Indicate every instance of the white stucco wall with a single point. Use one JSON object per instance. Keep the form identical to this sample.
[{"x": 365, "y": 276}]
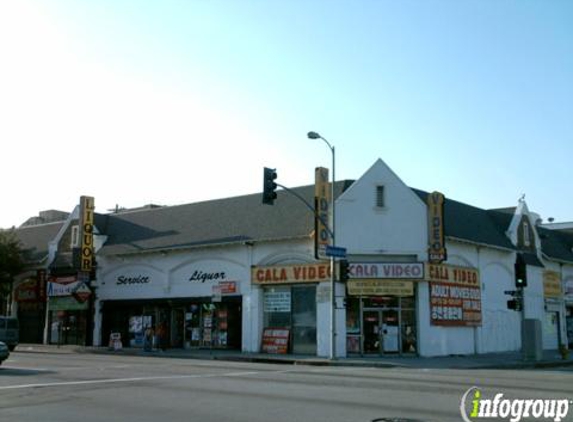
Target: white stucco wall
[{"x": 500, "y": 329}]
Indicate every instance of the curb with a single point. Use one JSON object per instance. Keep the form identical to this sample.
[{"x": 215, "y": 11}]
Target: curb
[{"x": 342, "y": 362}]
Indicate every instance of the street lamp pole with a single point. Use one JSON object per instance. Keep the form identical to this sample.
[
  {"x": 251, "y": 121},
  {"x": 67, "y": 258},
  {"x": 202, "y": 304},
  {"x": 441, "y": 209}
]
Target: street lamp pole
[{"x": 315, "y": 135}]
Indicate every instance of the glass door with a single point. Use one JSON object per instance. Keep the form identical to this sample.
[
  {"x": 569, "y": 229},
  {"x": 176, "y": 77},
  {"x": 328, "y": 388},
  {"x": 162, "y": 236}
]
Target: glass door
[
  {"x": 390, "y": 332},
  {"x": 304, "y": 320},
  {"x": 371, "y": 325}
]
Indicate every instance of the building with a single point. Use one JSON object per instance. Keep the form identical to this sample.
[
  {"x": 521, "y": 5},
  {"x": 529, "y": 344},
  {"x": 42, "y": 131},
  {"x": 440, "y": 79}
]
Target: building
[{"x": 428, "y": 275}]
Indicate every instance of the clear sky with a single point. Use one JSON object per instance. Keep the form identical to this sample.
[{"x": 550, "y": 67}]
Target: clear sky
[{"x": 172, "y": 102}]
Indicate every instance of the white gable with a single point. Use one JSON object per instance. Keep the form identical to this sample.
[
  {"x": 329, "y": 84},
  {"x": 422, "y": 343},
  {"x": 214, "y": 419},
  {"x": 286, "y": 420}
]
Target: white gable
[{"x": 399, "y": 227}]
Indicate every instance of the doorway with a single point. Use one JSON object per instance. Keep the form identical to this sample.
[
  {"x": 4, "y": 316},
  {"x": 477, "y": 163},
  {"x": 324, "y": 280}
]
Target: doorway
[{"x": 381, "y": 331}]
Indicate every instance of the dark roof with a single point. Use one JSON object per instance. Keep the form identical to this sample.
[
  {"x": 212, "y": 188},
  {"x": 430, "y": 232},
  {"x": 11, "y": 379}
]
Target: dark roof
[
  {"x": 556, "y": 244},
  {"x": 221, "y": 221},
  {"x": 35, "y": 239},
  {"x": 469, "y": 223}
]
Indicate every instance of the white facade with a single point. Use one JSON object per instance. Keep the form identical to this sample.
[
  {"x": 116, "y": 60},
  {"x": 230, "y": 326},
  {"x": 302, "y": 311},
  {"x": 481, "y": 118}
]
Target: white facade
[{"x": 392, "y": 228}]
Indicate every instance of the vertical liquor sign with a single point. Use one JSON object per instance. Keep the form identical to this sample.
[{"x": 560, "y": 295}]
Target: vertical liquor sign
[
  {"x": 321, "y": 211},
  {"x": 437, "y": 245},
  {"x": 86, "y": 231}
]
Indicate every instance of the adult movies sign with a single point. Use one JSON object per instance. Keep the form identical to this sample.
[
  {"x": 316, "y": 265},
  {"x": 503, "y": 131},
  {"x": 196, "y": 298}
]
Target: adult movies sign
[{"x": 455, "y": 296}]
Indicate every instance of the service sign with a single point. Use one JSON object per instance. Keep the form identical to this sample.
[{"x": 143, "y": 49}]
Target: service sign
[
  {"x": 322, "y": 212},
  {"x": 86, "y": 229},
  {"x": 436, "y": 238},
  {"x": 455, "y": 295},
  {"x": 287, "y": 274}
]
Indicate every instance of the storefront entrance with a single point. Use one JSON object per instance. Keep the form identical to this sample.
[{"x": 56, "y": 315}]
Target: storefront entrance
[
  {"x": 381, "y": 331},
  {"x": 381, "y": 325}
]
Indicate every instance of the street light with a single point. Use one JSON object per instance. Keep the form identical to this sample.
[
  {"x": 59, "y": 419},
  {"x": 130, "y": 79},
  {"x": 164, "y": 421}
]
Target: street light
[{"x": 314, "y": 135}]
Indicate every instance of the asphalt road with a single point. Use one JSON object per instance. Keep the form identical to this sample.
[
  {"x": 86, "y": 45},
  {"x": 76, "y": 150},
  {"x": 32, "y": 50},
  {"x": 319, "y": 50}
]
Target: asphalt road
[{"x": 94, "y": 388}]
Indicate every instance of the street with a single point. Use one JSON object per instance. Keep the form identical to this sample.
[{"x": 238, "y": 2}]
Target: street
[{"x": 93, "y": 388}]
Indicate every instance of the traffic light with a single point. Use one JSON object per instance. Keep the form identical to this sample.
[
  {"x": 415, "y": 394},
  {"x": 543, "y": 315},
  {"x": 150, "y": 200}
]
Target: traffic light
[
  {"x": 515, "y": 304},
  {"x": 520, "y": 272},
  {"x": 269, "y": 186},
  {"x": 344, "y": 268}
]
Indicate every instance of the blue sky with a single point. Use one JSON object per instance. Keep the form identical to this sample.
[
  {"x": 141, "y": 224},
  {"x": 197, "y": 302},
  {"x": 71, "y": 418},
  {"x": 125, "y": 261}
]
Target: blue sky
[{"x": 172, "y": 102}]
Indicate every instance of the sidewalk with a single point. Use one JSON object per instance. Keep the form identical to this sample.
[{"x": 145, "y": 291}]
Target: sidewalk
[{"x": 506, "y": 360}]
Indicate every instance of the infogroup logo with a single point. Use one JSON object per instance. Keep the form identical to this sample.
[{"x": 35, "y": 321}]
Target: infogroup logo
[{"x": 474, "y": 407}]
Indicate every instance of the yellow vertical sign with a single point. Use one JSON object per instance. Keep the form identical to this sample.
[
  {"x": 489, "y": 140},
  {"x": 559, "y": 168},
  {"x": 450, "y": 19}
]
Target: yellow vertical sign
[
  {"x": 86, "y": 230},
  {"x": 321, "y": 212},
  {"x": 552, "y": 285},
  {"x": 437, "y": 245}
]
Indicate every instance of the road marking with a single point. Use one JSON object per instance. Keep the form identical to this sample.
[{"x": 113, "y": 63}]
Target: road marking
[{"x": 119, "y": 380}]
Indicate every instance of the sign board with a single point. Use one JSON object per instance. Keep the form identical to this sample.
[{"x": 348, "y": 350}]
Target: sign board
[
  {"x": 551, "y": 284},
  {"x": 387, "y": 270},
  {"x": 455, "y": 295},
  {"x": 86, "y": 229},
  {"x": 322, "y": 212},
  {"x": 82, "y": 292},
  {"x": 292, "y": 273},
  {"x": 436, "y": 234},
  {"x": 277, "y": 301},
  {"x": 26, "y": 292},
  {"x": 378, "y": 287},
  {"x": 335, "y": 251},
  {"x": 62, "y": 286},
  {"x": 275, "y": 340}
]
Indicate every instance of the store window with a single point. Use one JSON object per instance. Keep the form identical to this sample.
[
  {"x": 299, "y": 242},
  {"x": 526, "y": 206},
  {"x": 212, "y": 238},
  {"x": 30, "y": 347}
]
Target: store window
[{"x": 293, "y": 308}]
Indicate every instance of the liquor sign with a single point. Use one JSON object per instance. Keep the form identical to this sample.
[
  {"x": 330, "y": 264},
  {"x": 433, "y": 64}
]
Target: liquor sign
[
  {"x": 86, "y": 230},
  {"x": 377, "y": 287},
  {"x": 455, "y": 296},
  {"x": 437, "y": 245},
  {"x": 275, "y": 340},
  {"x": 286, "y": 274},
  {"x": 551, "y": 284},
  {"x": 321, "y": 212},
  {"x": 387, "y": 270}
]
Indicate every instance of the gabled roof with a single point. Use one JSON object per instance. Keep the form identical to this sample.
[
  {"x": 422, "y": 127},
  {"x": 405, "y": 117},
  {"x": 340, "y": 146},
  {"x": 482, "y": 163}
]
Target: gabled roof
[
  {"x": 35, "y": 240},
  {"x": 222, "y": 221},
  {"x": 465, "y": 222}
]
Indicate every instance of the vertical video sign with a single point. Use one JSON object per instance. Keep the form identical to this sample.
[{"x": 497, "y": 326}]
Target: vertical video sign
[
  {"x": 86, "y": 231},
  {"x": 322, "y": 212},
  {"x": 436, "y": 238}
]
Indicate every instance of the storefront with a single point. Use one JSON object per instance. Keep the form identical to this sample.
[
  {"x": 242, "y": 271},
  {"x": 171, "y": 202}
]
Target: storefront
[
  {"x": 69, "y": 312},
  {"x": 290, "y": 305},
  {"x": 30, "y": 295},
  {"x": 187, "y": 305},
  {"x": 207, "y": 322},
  {"x": 381, "y": 308}
]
